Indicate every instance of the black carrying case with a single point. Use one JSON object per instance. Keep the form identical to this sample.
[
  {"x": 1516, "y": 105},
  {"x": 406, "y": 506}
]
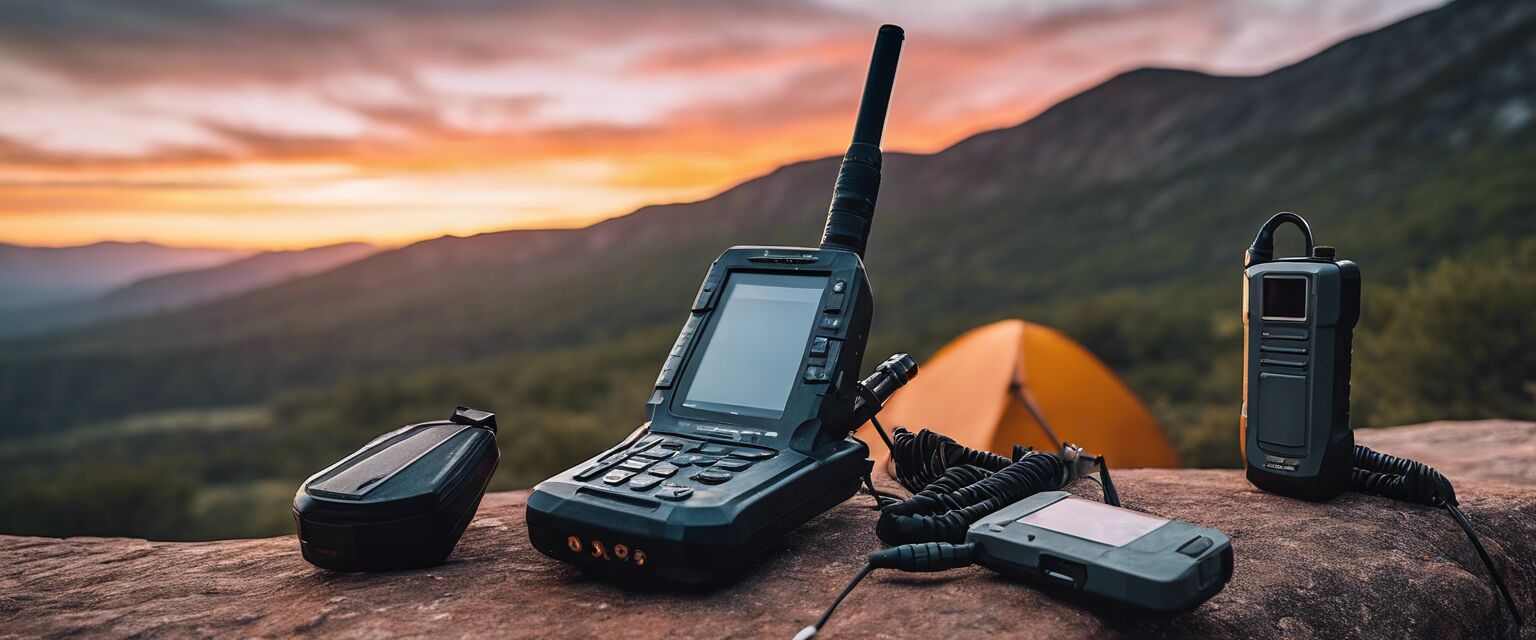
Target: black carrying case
[{"x": 403, "y": 500}]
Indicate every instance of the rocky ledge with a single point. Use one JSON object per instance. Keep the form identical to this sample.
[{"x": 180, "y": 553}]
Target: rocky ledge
[{"x": 1358, "y": 566}]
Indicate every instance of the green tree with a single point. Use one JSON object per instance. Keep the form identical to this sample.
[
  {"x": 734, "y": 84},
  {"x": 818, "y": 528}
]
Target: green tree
[{"x": 1459, "y": 342}]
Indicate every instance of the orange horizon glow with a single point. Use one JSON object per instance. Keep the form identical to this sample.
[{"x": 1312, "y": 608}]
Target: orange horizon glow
[{"x": 265, "y": 128}]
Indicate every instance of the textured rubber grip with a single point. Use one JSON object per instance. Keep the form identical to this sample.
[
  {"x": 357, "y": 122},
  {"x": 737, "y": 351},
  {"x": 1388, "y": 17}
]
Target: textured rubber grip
[
  {"x": 852, "y": 211},
  {"x": 924, "y": 557}
]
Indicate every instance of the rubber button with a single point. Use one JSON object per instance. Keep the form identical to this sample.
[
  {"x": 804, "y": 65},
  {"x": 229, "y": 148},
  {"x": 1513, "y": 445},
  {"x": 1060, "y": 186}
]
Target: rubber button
[
  {"x": 617, "y": 477},
  {"x": 1195, "y": 547},
  {"x": 752, "y": 454},
  {"x": 591, "y": 472},
  {"x": 732, "y": 465},
  {"x": 634, "y": 464},
  {"x": 712, "y": 476},
  {"x": 674, "y": 492},
  {"x": 663, "y": 470},
  {"x": 644, "y": 482}
]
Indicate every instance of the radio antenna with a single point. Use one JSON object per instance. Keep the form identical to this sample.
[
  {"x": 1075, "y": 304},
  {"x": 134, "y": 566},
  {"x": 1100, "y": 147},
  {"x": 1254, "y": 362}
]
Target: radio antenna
[{"x": 858, "y": 179}]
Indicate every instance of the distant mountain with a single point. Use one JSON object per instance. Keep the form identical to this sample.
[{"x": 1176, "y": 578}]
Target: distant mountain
[
  {"x": 159, "y": 294},
  {"x": 1136, "y": 198},
  {"x": 31, "y": 276}
]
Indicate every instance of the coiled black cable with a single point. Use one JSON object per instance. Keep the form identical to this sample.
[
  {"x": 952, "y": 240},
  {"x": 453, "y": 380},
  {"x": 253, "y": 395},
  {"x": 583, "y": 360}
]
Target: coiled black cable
[
  {"x": 922, "y": 458},
  {"x": 965, "y": 491},
  {"x": 1413, "y": 481},
  {"x": 955, "y": 485}
]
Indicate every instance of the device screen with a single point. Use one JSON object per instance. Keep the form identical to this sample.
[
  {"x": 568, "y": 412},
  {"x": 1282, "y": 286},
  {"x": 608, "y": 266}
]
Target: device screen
[
  {"x": 1285, "y": 298},
  {"x": 1094, "y": 521},
  {"x": 752, "y": 359}
]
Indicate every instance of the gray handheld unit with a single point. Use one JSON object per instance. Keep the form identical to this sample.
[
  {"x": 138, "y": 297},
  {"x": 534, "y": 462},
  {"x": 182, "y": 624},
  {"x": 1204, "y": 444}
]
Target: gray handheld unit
[
  {"x": 1152, "y": 564},
  {"x": 1299, "y": 318}
]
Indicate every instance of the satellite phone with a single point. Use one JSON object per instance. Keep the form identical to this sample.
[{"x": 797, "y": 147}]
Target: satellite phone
[{"x": 750, "y": 420}]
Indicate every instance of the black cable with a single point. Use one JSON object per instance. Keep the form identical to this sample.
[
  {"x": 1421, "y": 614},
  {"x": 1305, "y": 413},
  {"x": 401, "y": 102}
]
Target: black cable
[
  {"x": 955, "y": 485},
  {"x": 822, "y": 621},
  {"x": 964, "y": 494},
  {"x": 882, "y": 498},
  {"x": 883, "y": 436},
  {"x": 1416, "y": 482},
  {"x": 924, "y": 557}
]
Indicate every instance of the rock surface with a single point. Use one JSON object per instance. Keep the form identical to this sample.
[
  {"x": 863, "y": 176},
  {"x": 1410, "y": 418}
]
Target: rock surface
[
  {"x": 1356, "y": 566},
  {"x": 1502, "y": 450}
]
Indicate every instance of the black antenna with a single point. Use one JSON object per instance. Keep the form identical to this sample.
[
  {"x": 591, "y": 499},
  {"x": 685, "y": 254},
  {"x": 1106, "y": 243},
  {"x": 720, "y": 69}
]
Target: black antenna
[{"x": 858, "y": 180}]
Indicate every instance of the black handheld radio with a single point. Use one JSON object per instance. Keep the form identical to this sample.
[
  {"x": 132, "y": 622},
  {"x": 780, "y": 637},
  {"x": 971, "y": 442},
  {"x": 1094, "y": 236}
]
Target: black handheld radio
[
  {"x": 1299, "y": 316},
  {"x": 750, "y": 420}
]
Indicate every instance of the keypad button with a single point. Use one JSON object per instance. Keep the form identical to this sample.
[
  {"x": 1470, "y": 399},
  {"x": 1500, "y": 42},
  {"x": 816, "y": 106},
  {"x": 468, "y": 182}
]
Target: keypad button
[
  {"x": 634, "y": 464},
  {"x": 655, "y": 453},
  {"x": 711, "y": 450},
  {"x": 647, "y": 442},
  {"x": 732, "y": 465},
  {"x": 617, "y": 477},
  {"x": 591, "y": 472},
  {"x": 674, "y": 492},
  {"x": 685, "y": 460},
  {"x": 663, "y": 470},
  {"x": 704, "y": 461},
  {"x": 644, "y": 482},
  {"x": 712, "y": 477},
  {"x": 752, "y": 454},
  {"x": 819, "y": 346},
  {"x": 674, "y": 445}
]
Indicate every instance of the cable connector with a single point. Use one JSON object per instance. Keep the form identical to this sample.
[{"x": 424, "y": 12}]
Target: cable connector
[
  {"x": 925, "y": 557},
  {"x": 1080, "y": 464}
]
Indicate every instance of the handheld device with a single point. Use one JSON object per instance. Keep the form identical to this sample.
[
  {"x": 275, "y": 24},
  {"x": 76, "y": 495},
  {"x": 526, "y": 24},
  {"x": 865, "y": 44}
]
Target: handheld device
[
  {"x": 403, "y": 500},
  {"x": 749, "y": 423},
  {"x": 1115, "y": 555},
  {"x": 1299, "y": 316}
]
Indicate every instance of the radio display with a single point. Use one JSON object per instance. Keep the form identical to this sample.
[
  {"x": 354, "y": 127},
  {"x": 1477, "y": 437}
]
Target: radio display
[
  {"x": 1285, "y": 298},
  {"x": 751, "y": 360}
]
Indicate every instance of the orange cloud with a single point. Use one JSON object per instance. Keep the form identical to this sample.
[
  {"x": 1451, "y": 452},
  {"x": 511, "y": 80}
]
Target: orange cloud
[{"x": 284, "y": 125}]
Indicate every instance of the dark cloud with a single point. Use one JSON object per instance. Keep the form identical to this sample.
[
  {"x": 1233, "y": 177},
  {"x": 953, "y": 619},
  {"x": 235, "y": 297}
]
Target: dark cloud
[{"x": 224, "y": 41}]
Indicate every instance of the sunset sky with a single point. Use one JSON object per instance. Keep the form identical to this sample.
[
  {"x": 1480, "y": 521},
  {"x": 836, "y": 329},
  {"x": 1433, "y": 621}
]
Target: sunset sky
[{"x": 277, "y": 124}]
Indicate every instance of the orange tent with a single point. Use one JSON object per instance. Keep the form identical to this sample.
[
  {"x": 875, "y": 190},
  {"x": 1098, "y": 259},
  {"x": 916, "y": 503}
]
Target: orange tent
[{"x": 1015, "y": 382}]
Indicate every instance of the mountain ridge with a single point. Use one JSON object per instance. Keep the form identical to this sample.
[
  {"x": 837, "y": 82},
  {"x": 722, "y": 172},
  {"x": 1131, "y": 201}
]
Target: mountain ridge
[
  {"x": 180, "y": 289},
  {"x": 39, "y": 275},
  {"x": 1072, "y": 205}
]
